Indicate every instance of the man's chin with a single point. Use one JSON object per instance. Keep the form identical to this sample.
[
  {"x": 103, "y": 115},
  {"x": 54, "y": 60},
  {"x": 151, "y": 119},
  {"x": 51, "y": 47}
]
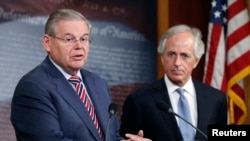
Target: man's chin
[
  {"x": 78, "y": 64},
  {"x": 176, "y": 81}
]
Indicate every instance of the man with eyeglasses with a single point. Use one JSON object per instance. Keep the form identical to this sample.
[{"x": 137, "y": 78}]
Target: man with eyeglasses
[{"x": 59, "y": 100}]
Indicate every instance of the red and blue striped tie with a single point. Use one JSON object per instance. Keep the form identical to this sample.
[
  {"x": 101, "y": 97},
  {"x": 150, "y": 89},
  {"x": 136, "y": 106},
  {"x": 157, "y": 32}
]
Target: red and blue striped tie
[{"x": 81, "y": 91}]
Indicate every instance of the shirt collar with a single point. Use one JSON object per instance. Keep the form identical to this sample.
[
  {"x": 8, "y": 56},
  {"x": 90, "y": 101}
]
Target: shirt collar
[
  {"x": 65, "y": 74},
  {"x": 188, "y": 87}
]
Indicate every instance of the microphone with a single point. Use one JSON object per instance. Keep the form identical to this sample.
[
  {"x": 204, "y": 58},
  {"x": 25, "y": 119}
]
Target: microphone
[
  {"x": 112, "y": 111},
  {"x": 166, "y": 108}
]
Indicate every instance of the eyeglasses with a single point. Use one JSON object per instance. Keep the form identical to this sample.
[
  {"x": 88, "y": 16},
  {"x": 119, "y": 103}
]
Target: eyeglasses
[{"x": 71, "y": 40}]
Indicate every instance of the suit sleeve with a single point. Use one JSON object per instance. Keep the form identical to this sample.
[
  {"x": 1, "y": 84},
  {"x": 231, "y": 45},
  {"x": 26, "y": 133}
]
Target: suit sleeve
[
  {"x": 223, "y": 119},
  {"x": 131, "y": 117},
  {"x": 33, "y": 114}
]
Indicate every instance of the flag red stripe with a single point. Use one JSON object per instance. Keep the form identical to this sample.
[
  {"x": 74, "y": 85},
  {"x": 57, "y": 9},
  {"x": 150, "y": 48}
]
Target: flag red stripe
[
  {"x": 215, "y": 39},
  {"x": 235, "y": 8},
  {"x": 239, "y": 64},
  {"x": 238, "y": 35},
  {"x": 224, "y": 81},
  {"x": 240, "y": 92},
  {"x": 237, "y": 89}
]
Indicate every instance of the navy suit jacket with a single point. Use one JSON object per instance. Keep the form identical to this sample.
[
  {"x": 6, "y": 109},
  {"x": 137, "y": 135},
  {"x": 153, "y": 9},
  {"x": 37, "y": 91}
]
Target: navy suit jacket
[
  {"x": 45, "y": 107},
  {"x": 140, "y": 112}
]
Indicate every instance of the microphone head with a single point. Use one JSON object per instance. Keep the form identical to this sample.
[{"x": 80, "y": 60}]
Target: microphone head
[
  {"x": 112, "y": 109},
  {"x": 164, "y": 107}
]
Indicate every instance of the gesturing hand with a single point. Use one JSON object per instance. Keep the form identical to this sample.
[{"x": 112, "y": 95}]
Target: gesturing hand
[{"x": 138, "y": 137}]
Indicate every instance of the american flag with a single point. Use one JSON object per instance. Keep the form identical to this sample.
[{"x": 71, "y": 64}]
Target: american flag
[{"x": 227, "y": 60}]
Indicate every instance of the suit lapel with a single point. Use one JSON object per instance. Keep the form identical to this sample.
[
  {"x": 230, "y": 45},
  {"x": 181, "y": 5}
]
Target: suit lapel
[
  {"x": 201, "y": 104},
  {"x": 161, "y": 94},
  {"x": 64, "y": 89},
  {"x": 98, "y": 97}
]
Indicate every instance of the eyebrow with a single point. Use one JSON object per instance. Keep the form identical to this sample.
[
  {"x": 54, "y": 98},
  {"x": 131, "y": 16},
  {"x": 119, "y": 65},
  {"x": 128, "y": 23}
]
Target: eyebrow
[{"x": 86, "y": 34}]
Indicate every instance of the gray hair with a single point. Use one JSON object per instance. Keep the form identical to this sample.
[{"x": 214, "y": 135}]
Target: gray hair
[
  {"x": 199, "y": 46},
  {"x": 62, "y": 14}
]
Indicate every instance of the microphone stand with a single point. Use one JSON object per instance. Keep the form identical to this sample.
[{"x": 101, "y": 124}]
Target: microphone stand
[
  {"x": 106, "y": 136},
  {"x": 112, "y": 110},
  {"x": 190, "y": 124},
  {"x": 164, "y": 107}
]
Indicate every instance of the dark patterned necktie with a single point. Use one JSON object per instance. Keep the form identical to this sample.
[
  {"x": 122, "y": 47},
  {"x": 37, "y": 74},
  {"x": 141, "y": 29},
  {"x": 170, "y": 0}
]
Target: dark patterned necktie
[
  {"x": 82, "y": 92},
  {"x": 183, "y": 110}
]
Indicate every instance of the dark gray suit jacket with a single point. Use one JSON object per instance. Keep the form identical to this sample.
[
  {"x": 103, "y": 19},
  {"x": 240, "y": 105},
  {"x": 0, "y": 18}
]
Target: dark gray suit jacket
[
  {"x": 140, "y": 112},
  {"x": 45, "y": 107}
]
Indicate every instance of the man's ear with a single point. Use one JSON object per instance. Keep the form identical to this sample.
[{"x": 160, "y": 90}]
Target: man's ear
[
  {"x": 196, "y": 63},
  {"x": 46, "y": 43}
]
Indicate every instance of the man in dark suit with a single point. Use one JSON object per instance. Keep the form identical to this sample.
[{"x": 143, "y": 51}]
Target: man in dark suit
[
  {"x": 181, "y": 48},
  {"x": 46, "y": 104}
]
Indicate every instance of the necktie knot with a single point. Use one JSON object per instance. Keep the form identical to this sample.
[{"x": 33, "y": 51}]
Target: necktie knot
[
  {"x": 180, "y": 91},
  {"x": 74, "y": 80}
]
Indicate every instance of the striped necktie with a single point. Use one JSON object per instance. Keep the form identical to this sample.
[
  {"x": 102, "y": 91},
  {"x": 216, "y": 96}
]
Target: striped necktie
[
  {"x": 82, "y": 92},
  {"x": 187, "y": 131}
]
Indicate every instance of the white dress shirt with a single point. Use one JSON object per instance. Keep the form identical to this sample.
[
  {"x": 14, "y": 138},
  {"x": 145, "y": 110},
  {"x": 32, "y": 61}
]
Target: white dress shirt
[{"x": 189, "y": 92}]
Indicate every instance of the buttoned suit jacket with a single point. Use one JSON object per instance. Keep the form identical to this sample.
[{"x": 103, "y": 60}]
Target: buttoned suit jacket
[
  {"x": 45, "y": 107},
  {"x": 140, "y": 112}
]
